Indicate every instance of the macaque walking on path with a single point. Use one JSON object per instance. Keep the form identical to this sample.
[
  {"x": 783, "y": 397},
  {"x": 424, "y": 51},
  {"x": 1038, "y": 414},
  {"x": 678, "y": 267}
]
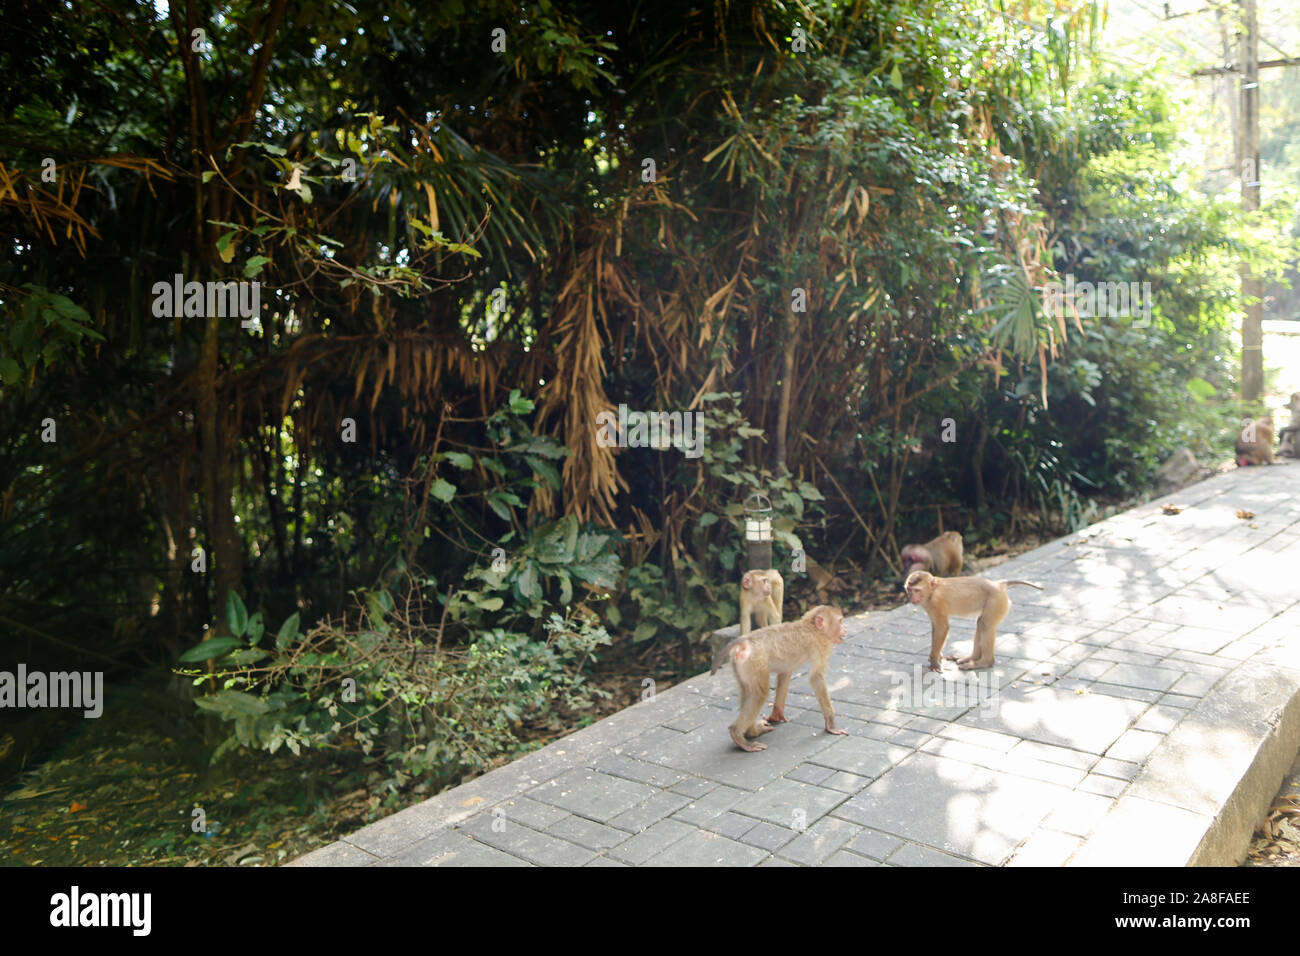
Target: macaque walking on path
[
  {"x": 962, "y": 597},
  {"x": 780, "y": 649}
]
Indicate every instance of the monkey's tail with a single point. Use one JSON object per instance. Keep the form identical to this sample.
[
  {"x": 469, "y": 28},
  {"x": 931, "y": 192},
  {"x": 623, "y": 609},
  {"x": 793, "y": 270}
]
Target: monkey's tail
[
  {"x": 1028, "y": 584},
  {"x": 723, "y": 654}
]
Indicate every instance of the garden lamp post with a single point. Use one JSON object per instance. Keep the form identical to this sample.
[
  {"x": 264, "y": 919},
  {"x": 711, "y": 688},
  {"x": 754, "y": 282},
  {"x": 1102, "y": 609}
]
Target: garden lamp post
[{"x": 758, "y": 532}]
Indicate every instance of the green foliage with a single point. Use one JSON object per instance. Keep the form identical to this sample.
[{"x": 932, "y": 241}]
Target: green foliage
[
  {"x": 387, "y": 685},
  {"x": 41, "y": 328}
]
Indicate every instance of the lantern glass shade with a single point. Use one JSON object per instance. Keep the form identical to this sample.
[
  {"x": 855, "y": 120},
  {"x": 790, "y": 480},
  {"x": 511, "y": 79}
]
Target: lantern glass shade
[{"x": 758, "y": 518}]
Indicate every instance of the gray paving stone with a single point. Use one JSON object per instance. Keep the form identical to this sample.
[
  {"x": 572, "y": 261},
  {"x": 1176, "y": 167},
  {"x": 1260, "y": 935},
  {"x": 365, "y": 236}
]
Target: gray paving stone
[
  {"x": 1196, "y": 685},
  {"x": 1125, "y": 693},
  {"x": 1088, "y": 722},
  {"x": 1148, "y": 678},
  {"x": 1090, "y": 669},
  {"x": 819, "y": 841},
  {"x": 531, "y": 813},
  {"x": 768, "y": 836},
  {"x": 810, "y": 773},
  {"x": 629, "y": 768},
  {"x": 1096, "y": 783},
  {"x": 1046, "y": 848},
  {"x": 592, "y": 835},
  {"x": 1160, "y": 719},
  {"x": 1023, "y": 765},
  {"x": 452, "y": 849},
  {"x": 788, "y": 802},
  {"x": 606, "y": 861},
  {"x": 845, "y": 782},
  {"x": 337, "y": 854},
  {"x": 713, "y": 756},
  {"x": 1135, "y": 745},
  {"x": 661, "y": 804},
  {"x": 699, "y": 848},
  {"x": 592, "y": 794},
  {"x": 640, "y": 848},
  {"x": 1119, "y": 769},
  {"x": 777, "y": 861},
  {"x": 911, "y": 739},
  {"x": 862, "y": 756},
  {"x": 912, "y": 855},
  {"x": 874, "y": 843},
  {"x": 957, "y": 807},
  {"x": 1181, "y": 701},
  {"x": 980, "y": 737},
  {"x": 845, "y": 858},
  {"x": 524, "y": 842},
  {"x": 731, "y": 825},
  {"x": 1076, "y": 759},
  {"x": 1078, "y": 813},
  {"x": 694, "y": 787},
  {"x": 703, "y": 809}
]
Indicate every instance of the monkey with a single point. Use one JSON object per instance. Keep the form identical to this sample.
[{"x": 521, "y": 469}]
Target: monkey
[
  {"x": 1287, "y": 441},
  {"x": 761, "y": 596},
  {"x": 780, "y": 649},
  {"x": 962, "y": 597},
  {"x": 942, "y": 556},
  {"x": 1255, "y": 443}
]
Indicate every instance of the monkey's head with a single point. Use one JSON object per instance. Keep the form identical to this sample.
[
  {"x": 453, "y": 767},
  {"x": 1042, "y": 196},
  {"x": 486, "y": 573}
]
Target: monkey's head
[
  {"x": 918, "y": 586},
  {"x": 830, "y": 621},
  {"x": 755, "y": 581}
]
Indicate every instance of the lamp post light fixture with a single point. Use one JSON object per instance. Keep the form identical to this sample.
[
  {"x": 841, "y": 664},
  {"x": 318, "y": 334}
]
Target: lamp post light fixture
[{"x": 758, "y": 532}]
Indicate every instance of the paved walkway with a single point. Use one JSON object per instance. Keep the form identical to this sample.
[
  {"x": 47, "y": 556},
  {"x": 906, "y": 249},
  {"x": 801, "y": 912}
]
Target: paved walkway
[{"x": 1143, "y": 710}]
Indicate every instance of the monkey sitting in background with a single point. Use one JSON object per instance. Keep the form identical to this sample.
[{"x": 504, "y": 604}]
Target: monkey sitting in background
[
  {"x": 762, "y": 594},
  {"x": 941, "y": 557},
  {"x": 1287, "y": 441},
  {"x": 1255, "y": 443}
]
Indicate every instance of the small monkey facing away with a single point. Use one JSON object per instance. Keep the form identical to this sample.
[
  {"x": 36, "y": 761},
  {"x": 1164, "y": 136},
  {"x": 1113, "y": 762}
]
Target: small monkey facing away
[
  {"x": 1255, "y": 443},
  {"x": 780, "y": 649},
  {"x": 761, "y": 595},
  {"x": 942, "y": 556},
  {"x": 962, "y": 597}
]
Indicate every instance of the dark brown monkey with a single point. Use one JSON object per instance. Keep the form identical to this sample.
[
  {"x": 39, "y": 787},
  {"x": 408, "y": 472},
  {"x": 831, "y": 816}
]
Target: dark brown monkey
[
  {"x": 942, "y": 556},
  {"x": 962, "y": 597},
  {"x": 1255, "y": 443},
  {"x": 780, "y": 649},
  {"x": 762, "y": 594}
]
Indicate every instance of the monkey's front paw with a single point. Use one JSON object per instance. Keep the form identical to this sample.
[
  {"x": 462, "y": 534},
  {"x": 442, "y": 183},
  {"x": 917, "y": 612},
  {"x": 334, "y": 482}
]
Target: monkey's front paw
[
  {"x": 936, "y": 667},
  {"x": 776, "y": 717},
  {"x": 837, "y": 731},
  {"x": 970, "y": 664},
  {"x": 754, "y": 748}
]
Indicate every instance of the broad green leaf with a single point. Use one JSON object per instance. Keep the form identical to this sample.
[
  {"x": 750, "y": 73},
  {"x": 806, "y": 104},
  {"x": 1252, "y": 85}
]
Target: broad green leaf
[
  {"x": 236, "y": 614},
  {"x": 210, "y": 649},
  {"x": 443, "y": 490}
]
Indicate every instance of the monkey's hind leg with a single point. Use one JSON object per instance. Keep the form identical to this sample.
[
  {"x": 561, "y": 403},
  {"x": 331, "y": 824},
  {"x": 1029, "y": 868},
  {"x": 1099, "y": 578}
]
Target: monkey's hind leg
[
  {"x": 778, "y": 704},
  {"x": 753, "y": 694}
]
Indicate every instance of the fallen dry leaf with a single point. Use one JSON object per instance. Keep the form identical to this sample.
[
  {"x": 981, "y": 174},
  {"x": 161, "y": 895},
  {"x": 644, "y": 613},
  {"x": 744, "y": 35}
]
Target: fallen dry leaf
[
  {"x": 1244, "y": 514},
  {"x": 471, "y": 801},
  {"x": 1171, "y": 509}
]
